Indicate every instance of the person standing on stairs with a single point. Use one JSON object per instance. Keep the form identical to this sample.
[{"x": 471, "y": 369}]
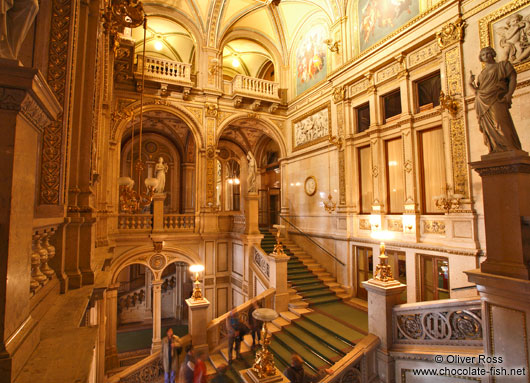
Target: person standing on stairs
[
  {"x": 188, "y": 366},
  {"x": 233, "y": 326},
  {"x": 171, "y": 349},
  {"x": 296, "y": 373},
  {"x": 254, "y": 324},
  {"x": 199, "y": 373}
]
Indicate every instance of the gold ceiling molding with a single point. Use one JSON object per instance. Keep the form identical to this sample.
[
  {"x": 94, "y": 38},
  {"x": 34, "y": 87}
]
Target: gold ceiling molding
[{"x": 451, "y": 33}]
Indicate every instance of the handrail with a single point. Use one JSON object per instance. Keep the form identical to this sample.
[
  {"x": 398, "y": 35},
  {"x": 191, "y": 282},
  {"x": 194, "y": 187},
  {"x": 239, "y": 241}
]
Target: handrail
[
  {"x": 311, "y": 239},
  {"x": 353, "y": 364},
  {"x": 148, "y": 368},
  {"x": 216, "y": 331}
]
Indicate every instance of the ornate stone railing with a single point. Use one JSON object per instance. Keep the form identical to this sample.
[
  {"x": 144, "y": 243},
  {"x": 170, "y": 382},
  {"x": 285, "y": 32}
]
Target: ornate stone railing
[
  {"x": 42, "y": 251},
  {"x": 185, "y": 222},
  {"x": 217, "y": 332},
  {"x": 261, "y": 260},
  {"x": 448, "y": 322},
  {"x": 255, "y": 87},
  {"x": 167, "y": 71},
  {"x": 146, "y": 370},
  {"x": 357, "y": 366},
  {"x": 135, "y": 221}
]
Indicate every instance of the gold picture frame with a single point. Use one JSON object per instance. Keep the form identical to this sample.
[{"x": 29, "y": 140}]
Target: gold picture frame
[
  {"x": 487, "y": 23},
  {"x": 312, "y": 112},
  {"x": 305, "y": 185}
]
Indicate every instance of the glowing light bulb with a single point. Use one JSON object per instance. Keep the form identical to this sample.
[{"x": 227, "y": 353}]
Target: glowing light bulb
[
  {"x": 236, "y": 181},
  {"x": 235, "y": 62},
  {"x": 159, "y": 45}
]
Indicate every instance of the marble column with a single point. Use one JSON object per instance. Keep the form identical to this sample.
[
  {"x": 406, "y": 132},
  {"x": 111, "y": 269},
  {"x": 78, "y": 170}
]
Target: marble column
[
  {"x": 278, "y": 280},
  {"x": 198, "y": 322},
  {"x": 382, "y": 297},
  {"x": 252, "y": 213},
  {"x": 158, "y": 212},
  {"x": 27, "y": 108},
  {"x": 157, "y": 316},
  {"x": 111, "y": 349},
  {"x": 503, "y": 280},
  {"x": 188, "y": 190}
]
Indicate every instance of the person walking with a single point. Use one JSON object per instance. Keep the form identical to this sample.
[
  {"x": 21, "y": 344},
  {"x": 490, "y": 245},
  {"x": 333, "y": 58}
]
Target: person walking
[{"x": 171, "y": 349}]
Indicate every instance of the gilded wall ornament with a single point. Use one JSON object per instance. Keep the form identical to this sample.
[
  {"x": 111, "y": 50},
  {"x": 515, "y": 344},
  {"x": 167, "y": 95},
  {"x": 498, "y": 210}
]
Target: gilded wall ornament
[
  {"x": 338, "y": 94},
  {"x": 451, "y": 33},
  {"x": 211, "y": 110}
]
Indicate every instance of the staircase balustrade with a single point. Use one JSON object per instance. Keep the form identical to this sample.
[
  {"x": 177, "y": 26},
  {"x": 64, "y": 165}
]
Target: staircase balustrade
[
  {"x": 167, "y": 71},
  {"x": 132, "y": 299},
  {"x": 448, "y": 322},
  {"x": 146, "y": 370},
  {"x": 42, "y": 252},
  {"x": 255, "y": 87},
  {"x": 359, "y": 365},
  {"x": 217, "y": 332},
  {"x": 261, "y": 260},
  {"x": 135, "y": 222},
  {"x": 181, "y": 222}
]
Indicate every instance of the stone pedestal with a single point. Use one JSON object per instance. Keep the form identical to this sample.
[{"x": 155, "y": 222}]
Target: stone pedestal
[
  {"x": 157, "y": 316},
  {"x": 382, "y": 297},
  {"x": 158, "y": 212},
  {"x": 505, "y": 314},
  {"x": 506, "y": 191},
  {"x": 111, "y": 349},
  {"x": 249, "y": 376},
  {"x": 278, "y": 280},
  {"x": 252, "y": 213},
  {"x": 198, "y": 322},
  {"x": 27, "y": 108}
]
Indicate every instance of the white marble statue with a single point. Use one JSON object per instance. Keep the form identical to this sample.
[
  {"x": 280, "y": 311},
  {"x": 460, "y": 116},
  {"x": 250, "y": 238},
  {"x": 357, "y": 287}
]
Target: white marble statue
[
  {"x": 252, "y": 170},
  {"x": 16, "y": 18},
  {"x": 514, "y": 44},
  {"x": 161, "y": 169},
  {"x": 494, "y": 88}
]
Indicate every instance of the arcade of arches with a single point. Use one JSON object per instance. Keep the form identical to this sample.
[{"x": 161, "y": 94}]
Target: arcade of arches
[{"x": 134, "y": 150}]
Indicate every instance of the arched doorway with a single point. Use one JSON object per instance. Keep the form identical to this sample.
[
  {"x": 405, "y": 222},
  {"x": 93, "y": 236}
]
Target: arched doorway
[{"x": 239, "y": 138}]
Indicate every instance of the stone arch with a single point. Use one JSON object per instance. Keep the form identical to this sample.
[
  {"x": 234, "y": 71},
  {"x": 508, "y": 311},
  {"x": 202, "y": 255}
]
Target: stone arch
[
  {"x": 181, "y": 18},
  {"x": 248, "y": 34},
  {"x": 145, "y": 255},
  {"x": 275, "y": 132},
  {"x": 187, "y": 116}
]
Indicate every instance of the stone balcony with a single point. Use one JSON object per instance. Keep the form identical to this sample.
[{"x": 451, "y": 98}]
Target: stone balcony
[
  {"x": 164, "y": 71},
  {"x": 254, "y": 90}
]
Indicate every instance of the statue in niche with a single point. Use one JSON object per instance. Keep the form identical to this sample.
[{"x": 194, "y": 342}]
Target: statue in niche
[
  {"x": 161, "y": 169},
  {"x": 16, "y": 18},
  {"x": 494, "y": 89},
  {"x": 252, "y": 169}
]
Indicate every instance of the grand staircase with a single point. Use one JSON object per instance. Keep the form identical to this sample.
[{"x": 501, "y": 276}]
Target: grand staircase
[{"x": 319, "y": 326}]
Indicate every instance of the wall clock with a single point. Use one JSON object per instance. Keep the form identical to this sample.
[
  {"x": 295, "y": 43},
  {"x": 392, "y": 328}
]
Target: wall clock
[{"x": 310, "y": 185}]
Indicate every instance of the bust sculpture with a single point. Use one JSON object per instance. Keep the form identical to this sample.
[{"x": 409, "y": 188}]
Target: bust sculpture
[
  {"x": 160, "y": 171},
  {"x": 494, "y": 89},
  {"x": 252, "y": 169},
  {"x": 16, "y": 18}
]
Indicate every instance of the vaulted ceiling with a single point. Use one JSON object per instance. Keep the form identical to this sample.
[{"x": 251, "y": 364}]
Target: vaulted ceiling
[{"x": 214, "y": 23}]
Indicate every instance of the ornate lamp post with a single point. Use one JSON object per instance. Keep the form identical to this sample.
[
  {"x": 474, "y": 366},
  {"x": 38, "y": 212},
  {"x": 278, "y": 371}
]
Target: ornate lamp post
[
  {"x": 197, "y": 292},
  {"x": 264, "y": 368}
]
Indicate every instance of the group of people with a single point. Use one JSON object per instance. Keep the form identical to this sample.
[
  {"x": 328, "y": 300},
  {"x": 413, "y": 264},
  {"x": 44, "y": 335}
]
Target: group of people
[{"x": 193, "y": 367}]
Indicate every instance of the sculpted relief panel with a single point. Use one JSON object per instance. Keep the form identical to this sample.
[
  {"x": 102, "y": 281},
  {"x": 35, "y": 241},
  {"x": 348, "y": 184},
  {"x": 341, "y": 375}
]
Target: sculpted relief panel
[
  {"x": 507, "y": 30},
  {"x": 312, "y": 127}
]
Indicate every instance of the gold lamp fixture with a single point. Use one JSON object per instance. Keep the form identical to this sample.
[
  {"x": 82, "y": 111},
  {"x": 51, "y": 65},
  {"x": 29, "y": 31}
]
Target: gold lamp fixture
[
  {"x": 135, "y": 200},
  {"x": 383, "y": 271},
  {"x": 197, "y": 292}
]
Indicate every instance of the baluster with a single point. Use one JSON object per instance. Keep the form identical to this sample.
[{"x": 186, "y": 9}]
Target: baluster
[
  {"x": 35, "y": 263},
  {"x": 45, "y": 255},
  {"x": 36, "y": 274}
]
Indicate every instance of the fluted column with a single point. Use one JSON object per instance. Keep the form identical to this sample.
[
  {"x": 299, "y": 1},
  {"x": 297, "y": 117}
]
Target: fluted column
[{"x": 157, "y": 316}]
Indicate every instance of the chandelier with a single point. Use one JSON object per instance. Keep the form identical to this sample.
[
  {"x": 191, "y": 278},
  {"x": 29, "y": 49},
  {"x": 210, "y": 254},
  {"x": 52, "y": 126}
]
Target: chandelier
[{"x": 135, "y": 200}]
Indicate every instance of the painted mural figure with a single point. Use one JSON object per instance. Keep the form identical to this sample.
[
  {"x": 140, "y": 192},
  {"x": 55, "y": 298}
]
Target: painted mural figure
[
  {"x": 494, "y": 88},
  {"x": 311, "y": 59}
]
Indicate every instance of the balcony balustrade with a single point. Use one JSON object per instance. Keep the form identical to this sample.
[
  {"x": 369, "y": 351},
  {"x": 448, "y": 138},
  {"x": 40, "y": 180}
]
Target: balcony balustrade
[{"x": 166, "y": 71}]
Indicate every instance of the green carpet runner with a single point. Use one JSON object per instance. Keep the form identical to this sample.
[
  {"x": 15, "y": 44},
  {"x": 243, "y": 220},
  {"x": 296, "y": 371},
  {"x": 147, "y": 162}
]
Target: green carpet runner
[{"x": 321, "y": 337}]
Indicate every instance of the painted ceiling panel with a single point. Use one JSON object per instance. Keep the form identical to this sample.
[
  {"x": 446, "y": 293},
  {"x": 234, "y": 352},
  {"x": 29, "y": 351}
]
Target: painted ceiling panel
[{"x": 259, "y": 20}]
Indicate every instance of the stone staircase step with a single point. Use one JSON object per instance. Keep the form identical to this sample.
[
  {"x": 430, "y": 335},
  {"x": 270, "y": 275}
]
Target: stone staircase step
[
  {"x": 289, "y": 316},
  {"x": 279, "y": 323},
  {"x": 299, "y": 311},
  {"x": 210, "y": 369},
  {"x": 298, "y": 304},
  {"x": 217, "y": 359}
]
